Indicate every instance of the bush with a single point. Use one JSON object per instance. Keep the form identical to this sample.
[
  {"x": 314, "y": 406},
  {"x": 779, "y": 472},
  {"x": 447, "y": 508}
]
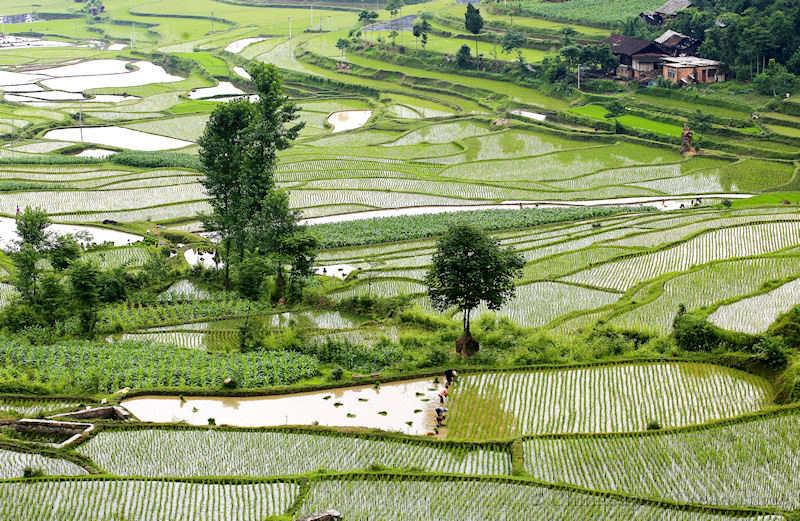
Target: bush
[
  {"x": 653, "y": 425},
  {"x": 693, "y": 333},
  {"x": 32, "y": 472},
  {"x": 787, "y": 326},
  {"x": 771, "y": 350},
  {"x": 337, "y": 373}
]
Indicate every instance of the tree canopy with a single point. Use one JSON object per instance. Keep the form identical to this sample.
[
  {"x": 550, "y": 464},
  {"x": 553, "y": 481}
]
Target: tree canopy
[{"x": 470, "y": 268}]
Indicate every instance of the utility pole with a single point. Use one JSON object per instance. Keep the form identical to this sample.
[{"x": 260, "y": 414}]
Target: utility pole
[
  {"x": 311, "y": 17},
  {"x": 579, "y": 76}
]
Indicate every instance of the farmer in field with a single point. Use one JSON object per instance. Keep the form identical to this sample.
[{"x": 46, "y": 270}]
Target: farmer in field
[
  {"x": 441, "y": 413},
  {"x": 450, "y": 376},
  {"x": 443, "y": 394}
]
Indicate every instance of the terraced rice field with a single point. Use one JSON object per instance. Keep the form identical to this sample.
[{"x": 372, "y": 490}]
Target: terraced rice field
[
  {"x": 97, "y": 500},
  {"x": 726, "y": 465},
  {"x": 13, "y": 463},
  {"x": 755, "y": 314},
  {"x": 401, "y": 500},
  {"x": 617, "y": 398},
  {"x": 241, "y": 453}
]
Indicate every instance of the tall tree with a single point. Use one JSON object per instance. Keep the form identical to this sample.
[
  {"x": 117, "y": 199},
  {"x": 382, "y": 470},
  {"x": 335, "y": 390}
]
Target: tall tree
[
  {"x": 470, "y": 268},
  {"x": 473, "y": 22},
  {"x": 221, "y": 156},
  {"x": 277, "y": 232},
  {"x": 239, "y": 151}
]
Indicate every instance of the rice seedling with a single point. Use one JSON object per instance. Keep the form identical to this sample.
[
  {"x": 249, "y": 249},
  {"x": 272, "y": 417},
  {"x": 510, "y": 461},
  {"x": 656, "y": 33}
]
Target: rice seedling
[
  {"x": 726, "y": 243},
  {"x": 98, "y": 500},
  {"x": 13, "y": 465},
  {"x": 241, "y": 453},
  {"x": 732, "y": 465},
  {"x": 434, "y": 499},
  {"x": 755, "y": 314},
  {"x": 615, "y": 398}
]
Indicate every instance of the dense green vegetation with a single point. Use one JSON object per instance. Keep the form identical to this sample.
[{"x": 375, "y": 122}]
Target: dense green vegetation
[{"x": 273, "y": 286}]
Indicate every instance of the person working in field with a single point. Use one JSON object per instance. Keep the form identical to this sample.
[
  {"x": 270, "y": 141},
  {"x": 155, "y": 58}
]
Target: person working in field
[
  {"x": 441, "y": 414},
  {"x": 450, "y": 376},
  {"x": 443, "y": 395}
]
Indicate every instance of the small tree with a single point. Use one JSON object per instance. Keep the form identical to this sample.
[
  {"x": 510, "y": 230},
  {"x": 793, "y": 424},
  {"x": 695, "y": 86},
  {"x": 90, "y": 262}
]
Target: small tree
[
  {"x": 463, "y": 58},
  {"x": 394, "y": 6},
  {"x": 469, "y": 268},
  {"x": 473, "y": 22},
  {"x": 420, "y": 31},
  {"x": 366, "y": 17},
  {"x": 512, "y": 41},
  {"x": 64, "y": 250},
  {"x": 615, "y": 109},
  {"x": 32, "y": 226},
  {"x": 342, "y": 44}
]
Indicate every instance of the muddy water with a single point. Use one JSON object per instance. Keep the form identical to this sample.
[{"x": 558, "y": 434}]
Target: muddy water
[{"x": 388, "y": 407}]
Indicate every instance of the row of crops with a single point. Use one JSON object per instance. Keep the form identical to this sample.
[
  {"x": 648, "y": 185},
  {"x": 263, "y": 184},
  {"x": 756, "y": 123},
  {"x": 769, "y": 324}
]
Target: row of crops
[
  {"x": 604, "y": 399},
  {"x": 379, "y": 497},
  {"x": 753, "y": 463},
  {"x": 13, "y": 465},
  {"x": 101, "y": 366},
  {"x": 696, "y": 259},
  {"x": 182, "y": 453}
]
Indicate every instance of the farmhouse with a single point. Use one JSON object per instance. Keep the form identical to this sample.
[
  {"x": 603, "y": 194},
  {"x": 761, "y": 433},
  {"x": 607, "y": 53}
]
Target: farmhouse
[
  {"x": 638, "y": 59},
  {"x": 677, "y": 44},
  {"x": 686, "y": 70},
  {"x": 670, "y": 9}
]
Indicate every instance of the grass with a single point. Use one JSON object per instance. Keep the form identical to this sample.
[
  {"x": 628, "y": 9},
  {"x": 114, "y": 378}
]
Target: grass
[{"x": 212, "y": 64}]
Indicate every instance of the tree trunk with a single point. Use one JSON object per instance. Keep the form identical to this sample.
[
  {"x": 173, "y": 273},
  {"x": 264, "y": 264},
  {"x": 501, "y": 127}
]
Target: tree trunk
[
  {"x": 466, "y": 345},
  {"x": 227, "y": 262},
  {"x": 280, "y": 285}
]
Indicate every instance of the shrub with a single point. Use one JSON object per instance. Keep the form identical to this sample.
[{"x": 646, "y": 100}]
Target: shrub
[
  {"x": 653, "y": 425},
  {"x": 771, "y": 350},
  {"x": 693, "y": 333},
  {"x": 32, "y": 472},
  {"x": 787, "y": 326}
]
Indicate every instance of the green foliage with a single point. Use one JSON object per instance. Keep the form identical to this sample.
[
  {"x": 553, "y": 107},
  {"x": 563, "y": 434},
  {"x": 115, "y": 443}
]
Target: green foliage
[
  {"x": 463, "y": 57},
  {"x": 101, "y": 367},
  {"x": 787, "y": 326},
  {"x": 31, "y": 226},
  {"x": 776, "y": 81},
  {"x": 156, "y": 159},
  {"x": 85, "y": 293},
  {"x": 469, "y": 268},
  {"x": 404, "y": 228},
  {"x": 693, "y": 332}
]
